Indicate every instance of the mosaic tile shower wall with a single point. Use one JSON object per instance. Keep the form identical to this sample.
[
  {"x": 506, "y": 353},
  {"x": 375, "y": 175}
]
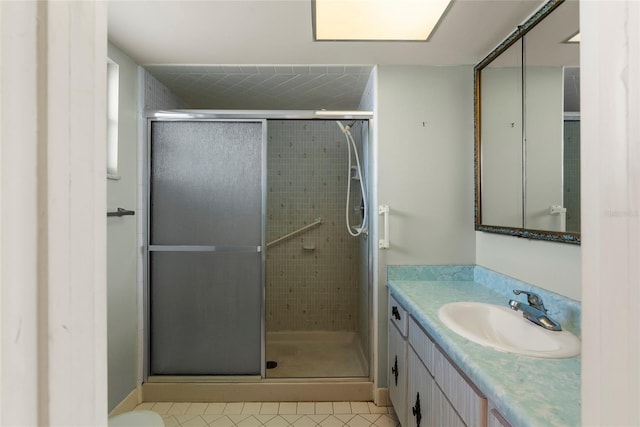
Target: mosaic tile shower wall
[
  {"x": 159, "y": 97},
  {"x": 312, "y": 280}
]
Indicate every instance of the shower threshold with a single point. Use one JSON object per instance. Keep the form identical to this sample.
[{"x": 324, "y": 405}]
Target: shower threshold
[
  {"x": 312, "y": 366},
  {"x": 277, "y": 390}
]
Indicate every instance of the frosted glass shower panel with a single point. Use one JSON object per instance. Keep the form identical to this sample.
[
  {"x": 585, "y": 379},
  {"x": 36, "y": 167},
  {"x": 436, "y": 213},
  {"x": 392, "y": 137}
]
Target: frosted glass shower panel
[
  {"x": 206, "y": 183},
  {"x": 205, "y": 261},
  {"x": 205, "y": 313}
]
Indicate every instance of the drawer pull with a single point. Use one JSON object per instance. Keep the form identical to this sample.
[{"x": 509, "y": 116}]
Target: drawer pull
[
  {"x": 395, "y": 313},
  {"x": 416, "y": 410},
  {"x": 394, "y": 370}
]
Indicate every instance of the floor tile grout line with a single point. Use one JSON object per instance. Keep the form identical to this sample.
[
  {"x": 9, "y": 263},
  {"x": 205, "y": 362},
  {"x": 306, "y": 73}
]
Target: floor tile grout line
[
  {"x": 356, "y": 409},
  {"x": 293, "y": 424}
]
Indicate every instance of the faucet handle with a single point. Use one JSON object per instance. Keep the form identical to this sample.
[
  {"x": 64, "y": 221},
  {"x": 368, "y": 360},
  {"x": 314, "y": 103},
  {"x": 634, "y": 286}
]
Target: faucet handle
[{"x": 533, "y": 299}]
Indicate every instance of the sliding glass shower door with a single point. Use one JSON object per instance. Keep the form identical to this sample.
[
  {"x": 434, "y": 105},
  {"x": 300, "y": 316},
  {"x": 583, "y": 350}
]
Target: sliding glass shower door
[{"x": 205, "y": 263}]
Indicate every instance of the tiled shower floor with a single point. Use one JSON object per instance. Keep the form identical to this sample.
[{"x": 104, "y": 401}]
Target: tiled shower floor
[
  {"x": 273, "y": 414},
  {"x": 312, "y": 354}
]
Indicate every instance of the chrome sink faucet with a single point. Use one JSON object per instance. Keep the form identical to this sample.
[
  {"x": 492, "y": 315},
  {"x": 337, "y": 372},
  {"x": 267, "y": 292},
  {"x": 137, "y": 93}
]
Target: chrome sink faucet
[{"x": 535, "y": 311}]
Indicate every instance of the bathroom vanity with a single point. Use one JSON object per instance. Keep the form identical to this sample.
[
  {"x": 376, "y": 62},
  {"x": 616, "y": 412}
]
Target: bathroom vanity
[{"x": 438, "y": 378}]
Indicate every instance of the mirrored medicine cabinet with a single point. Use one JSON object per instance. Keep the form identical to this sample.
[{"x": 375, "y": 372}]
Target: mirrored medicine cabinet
[{"x": 527, "y": 129}]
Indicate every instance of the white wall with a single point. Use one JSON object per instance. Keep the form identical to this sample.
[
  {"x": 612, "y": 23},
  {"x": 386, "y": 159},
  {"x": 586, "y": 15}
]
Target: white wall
[
  {"x": 610, "y": 180},
  {"x": 549, "y": 265},
  {"x": 53, "y": 314},
  {"x": 424, "y": 161},
  {"x": 122, "y": 256}
]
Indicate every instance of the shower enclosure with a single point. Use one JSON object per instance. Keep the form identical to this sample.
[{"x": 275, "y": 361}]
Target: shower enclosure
[{"x": 250, "y": 267}]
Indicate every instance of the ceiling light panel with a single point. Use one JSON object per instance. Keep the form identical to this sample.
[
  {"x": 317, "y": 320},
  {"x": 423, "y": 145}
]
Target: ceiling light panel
[{"x": 401, "y": 20}]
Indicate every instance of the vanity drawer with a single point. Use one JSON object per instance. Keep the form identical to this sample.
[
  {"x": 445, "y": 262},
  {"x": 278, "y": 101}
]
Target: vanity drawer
[
  {"x": 422, "y": 345},
  {"x": 397, "y": 315},
  {"x": 469, "y": 403}
]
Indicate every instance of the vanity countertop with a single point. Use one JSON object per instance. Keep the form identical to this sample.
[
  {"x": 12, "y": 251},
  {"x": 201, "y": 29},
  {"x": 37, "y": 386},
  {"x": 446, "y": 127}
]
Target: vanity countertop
[{"x": 527, "y": 391}]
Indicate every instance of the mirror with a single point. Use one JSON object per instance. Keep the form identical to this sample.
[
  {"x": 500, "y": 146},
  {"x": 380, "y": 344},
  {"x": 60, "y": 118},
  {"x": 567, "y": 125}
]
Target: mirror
[
  {"x": 527, "y": 130},
  {"x": 501, "y": 106}
]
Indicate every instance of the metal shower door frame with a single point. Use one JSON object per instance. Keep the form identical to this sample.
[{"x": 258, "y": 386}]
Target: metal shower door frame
[
  {"x": 251, "y": 116},
  {"x": 182, "y": 117}
]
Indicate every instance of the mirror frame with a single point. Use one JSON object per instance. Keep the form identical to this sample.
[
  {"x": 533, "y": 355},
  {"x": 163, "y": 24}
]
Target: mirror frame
[{"x": 520, "y": 31}]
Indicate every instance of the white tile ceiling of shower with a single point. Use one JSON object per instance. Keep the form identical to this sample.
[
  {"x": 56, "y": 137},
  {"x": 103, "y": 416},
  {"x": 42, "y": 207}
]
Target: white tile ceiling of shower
[{"x": 266, "y": 87}]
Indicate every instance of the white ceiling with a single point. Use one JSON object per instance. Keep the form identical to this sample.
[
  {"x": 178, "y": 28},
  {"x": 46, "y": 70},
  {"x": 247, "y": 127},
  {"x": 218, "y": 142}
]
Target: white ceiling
[{"x": 161, "y": 34}]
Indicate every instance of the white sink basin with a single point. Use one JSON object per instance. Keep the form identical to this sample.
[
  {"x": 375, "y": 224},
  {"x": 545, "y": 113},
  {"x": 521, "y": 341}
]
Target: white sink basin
[{"x": 506, "y": 330}]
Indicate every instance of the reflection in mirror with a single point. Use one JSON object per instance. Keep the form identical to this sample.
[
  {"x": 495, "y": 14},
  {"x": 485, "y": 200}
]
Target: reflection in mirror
[
  {"x": 547, "y": 56},
  {"x": 501, "y": 133},
  {"x": 571, "y": 155},
  {"x": 527, "y": 130}
]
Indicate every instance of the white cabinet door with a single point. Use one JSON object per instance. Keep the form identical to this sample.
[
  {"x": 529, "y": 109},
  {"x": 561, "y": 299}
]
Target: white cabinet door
[
  {"x": 419, "y": 391},
  {"x": 397, "y": 373},
  {"x": 442, "y": 412},
  {"x": 469, "y": 403},
  {"x": 426, "y": 405}
]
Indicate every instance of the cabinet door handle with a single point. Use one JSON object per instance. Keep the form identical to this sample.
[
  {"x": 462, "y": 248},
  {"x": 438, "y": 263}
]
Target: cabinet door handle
[
  {"x": 416, "y": 410},
  {"x": 394, "y": 369},
  {"x": 395, "y": 313}
]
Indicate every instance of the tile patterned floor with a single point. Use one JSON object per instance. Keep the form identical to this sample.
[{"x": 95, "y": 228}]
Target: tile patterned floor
[{"x": 273, "y": 414}]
